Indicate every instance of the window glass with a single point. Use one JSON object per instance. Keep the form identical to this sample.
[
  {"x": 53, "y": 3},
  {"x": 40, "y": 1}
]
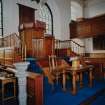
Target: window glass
[{"x": 45, "y": 16}]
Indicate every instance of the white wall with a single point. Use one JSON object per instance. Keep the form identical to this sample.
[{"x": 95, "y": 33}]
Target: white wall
[
  {"x": 76, "y": 10},
  {"x": 93, "y": 8},
  {"x": 11, "y": 14},
  {"x": 64, "y": 16},
  {"x": 60, "y": 10},
  {"x": 88, "y": 45}
]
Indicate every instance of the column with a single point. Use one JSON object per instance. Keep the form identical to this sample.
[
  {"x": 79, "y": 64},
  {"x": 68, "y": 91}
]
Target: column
[{"x": 21, "y": 74}]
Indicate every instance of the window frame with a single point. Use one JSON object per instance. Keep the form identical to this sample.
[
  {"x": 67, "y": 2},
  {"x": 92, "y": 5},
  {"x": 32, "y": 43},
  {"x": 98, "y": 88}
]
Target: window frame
[{"x": 51, "y": 15}]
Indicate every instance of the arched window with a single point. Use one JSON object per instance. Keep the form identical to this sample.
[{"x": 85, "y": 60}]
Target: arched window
[{"x": 46, "y": 16}]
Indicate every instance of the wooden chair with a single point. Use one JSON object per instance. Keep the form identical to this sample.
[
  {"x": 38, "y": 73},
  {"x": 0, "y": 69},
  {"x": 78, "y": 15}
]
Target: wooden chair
[
  {"x": 53, "y": 67},
  {"x": 56, "y": 69}
]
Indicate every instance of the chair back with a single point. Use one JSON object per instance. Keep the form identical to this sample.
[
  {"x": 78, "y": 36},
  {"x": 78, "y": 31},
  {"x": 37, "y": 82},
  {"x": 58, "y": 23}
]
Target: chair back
[{"x": 52, "y": 62}]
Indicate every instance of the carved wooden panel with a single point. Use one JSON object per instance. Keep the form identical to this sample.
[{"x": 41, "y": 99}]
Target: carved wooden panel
[
  {"x": 88, "y": 28},
  {"x": 83, "y": 29}
]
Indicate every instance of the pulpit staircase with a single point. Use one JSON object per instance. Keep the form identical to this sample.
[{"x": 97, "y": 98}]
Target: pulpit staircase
[
  {"x": 69, "y": 48},
  {"x": 13, "y": 50}
]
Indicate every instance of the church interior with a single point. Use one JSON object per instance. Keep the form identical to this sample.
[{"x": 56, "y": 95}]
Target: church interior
[{"x": 52, "y": 52}]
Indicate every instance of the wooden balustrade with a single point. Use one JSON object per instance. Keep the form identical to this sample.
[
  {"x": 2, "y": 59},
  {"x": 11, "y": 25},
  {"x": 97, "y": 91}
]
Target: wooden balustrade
[
  {"x": 10, "y": 50},
  {"x": 69, "y": 46}
]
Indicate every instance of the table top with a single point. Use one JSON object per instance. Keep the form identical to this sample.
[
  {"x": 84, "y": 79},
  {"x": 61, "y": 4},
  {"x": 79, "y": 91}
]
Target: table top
[{"x": 80, "y": 68}]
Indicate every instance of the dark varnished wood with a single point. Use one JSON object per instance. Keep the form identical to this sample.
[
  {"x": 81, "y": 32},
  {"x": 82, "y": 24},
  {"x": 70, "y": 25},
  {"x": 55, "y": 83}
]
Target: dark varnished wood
[
  {"x": 79, "y": 70},
  {"x": 35, "y": 89},
  {"x": 90, "y": 27},
  {"x": 99, "y": 64}
]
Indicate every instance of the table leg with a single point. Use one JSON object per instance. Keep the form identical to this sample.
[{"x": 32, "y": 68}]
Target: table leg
[
  {"x": 64, "y": 81},
  {"x": 74, "y": 88},
  {"x": 14, "y": 86},
  {"x": 90, "y": 78},
  {"x": 81, "y": 80}
]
